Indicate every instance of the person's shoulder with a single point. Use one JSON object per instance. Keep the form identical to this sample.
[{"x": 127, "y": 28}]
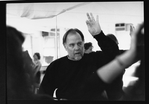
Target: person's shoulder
[
  {"x": 61, "y": 59},
  {"x": 94, "y": 53},
  {"x": 56, "y": 62}
]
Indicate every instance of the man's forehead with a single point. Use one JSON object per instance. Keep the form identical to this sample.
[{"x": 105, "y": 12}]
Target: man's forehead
[
  {"x": 74, "y": 34},
  {"x": 74, "y": 37}
]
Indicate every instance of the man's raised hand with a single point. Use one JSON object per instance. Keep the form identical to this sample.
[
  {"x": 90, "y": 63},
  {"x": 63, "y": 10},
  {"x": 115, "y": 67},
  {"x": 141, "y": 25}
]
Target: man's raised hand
[{"x": 93, "y": 25}]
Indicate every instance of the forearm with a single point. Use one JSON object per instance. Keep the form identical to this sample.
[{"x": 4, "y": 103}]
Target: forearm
[
  {"x": 108, "y": 46},
  {"x": 113, "y": 69}
]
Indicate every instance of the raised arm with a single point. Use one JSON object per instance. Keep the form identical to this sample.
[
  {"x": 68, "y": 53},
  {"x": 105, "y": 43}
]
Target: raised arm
[
  {"x": 110, "y": 71},
  {"x": 108, "y": 46}
]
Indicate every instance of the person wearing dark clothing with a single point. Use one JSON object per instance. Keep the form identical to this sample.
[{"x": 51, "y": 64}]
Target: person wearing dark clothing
[
  {"x": 116, "y": 89},
  {"x": 74, "y": 75},
  {"x": 112, "y": 36},
  {"x": 110, "y": 71},
  {"x": 88, "y": 47},
  {"x": 118, "y": 82},
  {"x": 136, "y": 92},
  {"x": 19, "y": 70},
  {"x": 37, "y": 72}
]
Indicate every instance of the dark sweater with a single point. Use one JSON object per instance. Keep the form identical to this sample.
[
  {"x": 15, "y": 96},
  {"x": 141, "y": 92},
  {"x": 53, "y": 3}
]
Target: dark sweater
[{"x": 78, "y": 80}]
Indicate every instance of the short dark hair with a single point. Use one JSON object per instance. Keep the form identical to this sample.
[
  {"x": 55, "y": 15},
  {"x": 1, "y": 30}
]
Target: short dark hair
[
  {"x": 75, "y": 30},
  {"x": 87, "y": 45},
  {"x": 38, "y": 55}
]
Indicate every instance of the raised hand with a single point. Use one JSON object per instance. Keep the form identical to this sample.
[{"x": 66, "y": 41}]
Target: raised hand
[
  {"x": 137, "y": 37},
  {"x": 93, "y": 25},
  {"x": 132, "y": 29}
]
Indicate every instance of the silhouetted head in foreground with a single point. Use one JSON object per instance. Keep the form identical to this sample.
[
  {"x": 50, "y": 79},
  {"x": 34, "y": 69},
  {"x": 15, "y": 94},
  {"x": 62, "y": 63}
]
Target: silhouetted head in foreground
[{"x": 19, "y": 77}]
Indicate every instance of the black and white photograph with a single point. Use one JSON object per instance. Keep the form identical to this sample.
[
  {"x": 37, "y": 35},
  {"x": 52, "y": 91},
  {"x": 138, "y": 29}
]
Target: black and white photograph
[{"x": 75, "y": 51}]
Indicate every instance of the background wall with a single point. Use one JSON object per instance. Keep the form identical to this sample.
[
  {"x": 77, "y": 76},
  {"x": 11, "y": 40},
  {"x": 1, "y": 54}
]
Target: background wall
[{"x": 109, "y": 14}]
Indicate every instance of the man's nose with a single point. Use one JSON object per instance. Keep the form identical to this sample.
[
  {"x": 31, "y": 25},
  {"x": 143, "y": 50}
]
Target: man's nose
[{"x": 76, "y": 47}]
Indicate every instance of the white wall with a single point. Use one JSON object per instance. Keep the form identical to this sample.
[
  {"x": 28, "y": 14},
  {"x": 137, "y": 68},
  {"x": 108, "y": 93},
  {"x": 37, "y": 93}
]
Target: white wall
[{"x": 109, "y": 14}]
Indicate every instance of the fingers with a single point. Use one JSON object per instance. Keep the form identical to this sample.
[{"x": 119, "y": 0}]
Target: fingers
[
  {"x": 139, "y": 28},
  {"x": 137, "y": 36},
  {"x": 132, "y": 28},
  {"x": 90, "y": 17},
  {"x": 88, "y": 23}
]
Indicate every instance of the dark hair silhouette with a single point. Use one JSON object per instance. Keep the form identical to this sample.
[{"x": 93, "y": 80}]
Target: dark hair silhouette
[
  {"x": 72, "y": 31},
  {"x": 37, "y": 54},
  {"x": 113, "y": 37},
  {"x": 18, "y": 83},
  {"x": 87, "y": 45},
  {"x": 19, "y": 71}
]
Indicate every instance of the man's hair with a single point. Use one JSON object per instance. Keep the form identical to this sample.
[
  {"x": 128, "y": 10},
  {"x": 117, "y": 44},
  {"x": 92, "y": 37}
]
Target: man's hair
[
  {"x": 87, "y": 45},
  {"x": 38, "y": 55},
  {"x": 72, "y": 31}
]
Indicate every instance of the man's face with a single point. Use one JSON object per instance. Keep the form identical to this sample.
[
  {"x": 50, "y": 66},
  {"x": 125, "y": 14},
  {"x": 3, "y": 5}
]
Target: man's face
[{"x": 74, "y": 46}]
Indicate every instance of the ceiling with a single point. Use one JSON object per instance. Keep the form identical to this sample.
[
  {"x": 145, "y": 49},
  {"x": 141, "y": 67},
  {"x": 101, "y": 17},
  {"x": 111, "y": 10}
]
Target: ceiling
[
  {"x": 41, "y": 10},
  {"x": 30, "y": 17}
]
